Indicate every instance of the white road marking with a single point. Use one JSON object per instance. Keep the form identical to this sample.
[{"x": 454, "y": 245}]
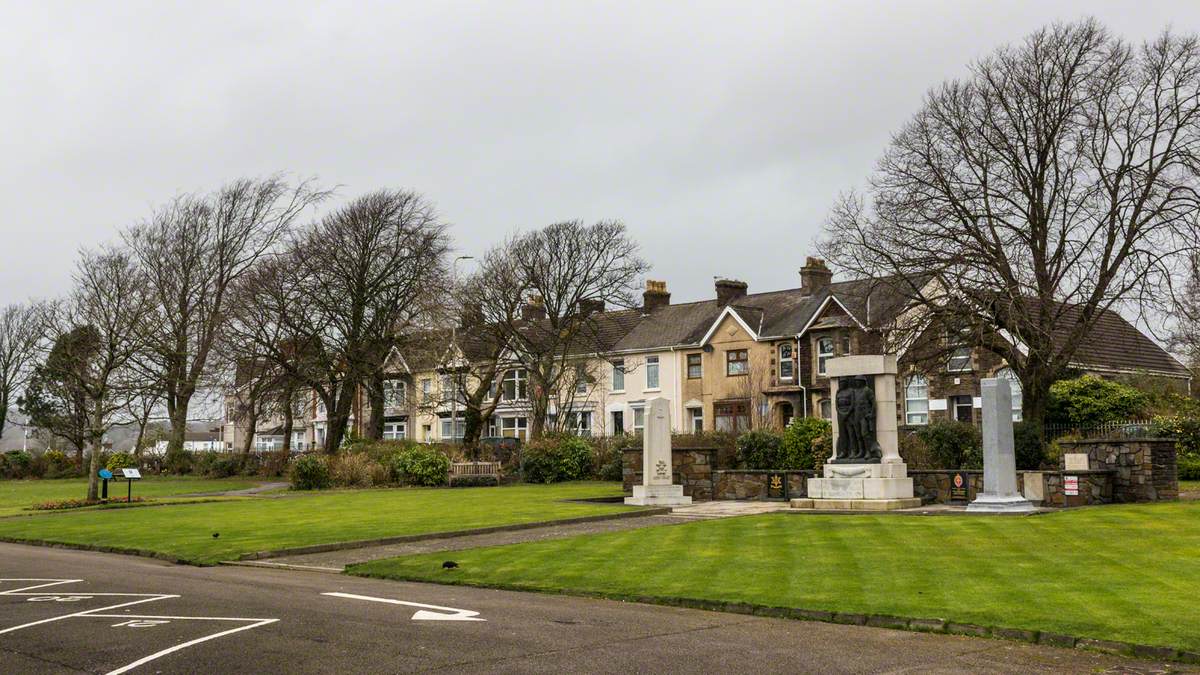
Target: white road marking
[
  {"x": 422, "y": 615},
  {"x": 185, "y": 645},
  {"x": 86, "y": 612},
  {"x": 52, "y": 582}
]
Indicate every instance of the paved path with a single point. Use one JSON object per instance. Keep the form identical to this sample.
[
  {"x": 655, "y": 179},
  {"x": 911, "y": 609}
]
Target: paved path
[
  {"x": 334, "y": 561},
  {"x": 244, "y": 492},
  {"x": 247, "y": 620}
]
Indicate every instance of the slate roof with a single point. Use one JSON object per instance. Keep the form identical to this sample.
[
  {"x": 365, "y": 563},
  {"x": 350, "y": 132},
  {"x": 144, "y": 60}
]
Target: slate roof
[{"x": 1116, "y": 344}]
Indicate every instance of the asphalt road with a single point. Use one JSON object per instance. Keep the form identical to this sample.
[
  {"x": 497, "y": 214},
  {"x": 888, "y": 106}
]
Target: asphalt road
[{"x": 66, "y": 611}]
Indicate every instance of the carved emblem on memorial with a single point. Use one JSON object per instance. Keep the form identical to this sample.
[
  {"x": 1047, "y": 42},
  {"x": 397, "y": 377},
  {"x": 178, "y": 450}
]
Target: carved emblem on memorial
[{"x": 855, "y": 404}]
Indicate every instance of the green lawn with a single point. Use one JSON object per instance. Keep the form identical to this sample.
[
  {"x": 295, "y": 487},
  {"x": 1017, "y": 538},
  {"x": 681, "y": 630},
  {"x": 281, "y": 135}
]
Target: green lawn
[
  {"x": 18, "y": 495},
  {"x": 260, "y": 524},
  {"x": 1121, "y": 572}
]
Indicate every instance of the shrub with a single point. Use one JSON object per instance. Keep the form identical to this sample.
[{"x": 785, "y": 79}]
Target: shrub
[
  {"x": 1185, "y": 431},
  {"x": 915, "y": 453},
  {"x": 15, "y": 464},
  {"x": 421, "y": 465},
  {"x": 357, "y": 469},
  {"x": 121, "y": 460},
  {"x": 703, "y": 439},
  {"x": 1189, "y": 468},
  {"x": 760, "y": 449},
  {"x": 310, "y": 472},
  {"x": 177, "y": 462},
  {"x": 953, "y": 445},
  {"x": 1091, "y": 400},
  {"x": 1027, "y": 444},
  {"x": 805, "y": 443},
  {"x": 553, "y": 459},
  {"x": 58, "y": 465}
]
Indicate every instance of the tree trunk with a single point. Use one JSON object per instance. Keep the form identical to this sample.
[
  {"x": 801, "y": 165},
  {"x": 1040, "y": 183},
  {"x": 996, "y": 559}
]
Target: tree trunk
[
  {"x": 338, "y": 417},
  {"x": 97, "y": 449},
  {"x": 178, "y": 412},
  {"x": 4, "y": 411},
  {"x": 137, "y": 445},
  {"x": 374, "y": 429},
  {"x": 288, "y": 423},
  {"x": 251, "y": 428}
]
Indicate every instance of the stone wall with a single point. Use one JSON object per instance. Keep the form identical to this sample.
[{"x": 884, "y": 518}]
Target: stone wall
[
  {"x": 1095, "y": 487},
  {"x": 1143, "y": 469},
  {"x": 690, "y": 467},
  {"x": 752, "y": 484}
]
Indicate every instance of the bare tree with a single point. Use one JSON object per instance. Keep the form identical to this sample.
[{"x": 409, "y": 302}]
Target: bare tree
[
  {"x": 1185, "y": 335},
  {"x": 1053, "y": 184},
  {"x": 107, "y": 311},
  {"x": 193, "y": 250},
  {"x": 540, "y": 293},
  {"x": 21, "y": 333},
  {"x": 325, "y": 311}
]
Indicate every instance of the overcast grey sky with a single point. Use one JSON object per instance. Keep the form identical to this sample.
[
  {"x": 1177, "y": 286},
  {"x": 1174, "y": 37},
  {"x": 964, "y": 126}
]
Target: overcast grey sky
[{"x": 719, "y": 132}]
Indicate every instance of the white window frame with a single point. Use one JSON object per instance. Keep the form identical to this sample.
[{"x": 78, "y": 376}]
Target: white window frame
[
  {"x": 452, "y": 428},
  {"x": 520, "y": 384},
  {"x": 825, "y": 409},
  {"x": 618, "y": 375},
  {"x": 638, "y": 424},
  {"x": 653, "y": 381},
  {"x": 426, "y": 388},
  {"x": 687, "y": 361},
  {"x": 395, "y": 431},
  {"x": 916, "y": 391},
  {"x": 790, "y": 360},
  {"x": 580, "y": 422},
  {"x": 697, "y": 419},
  {"x": 394, "y": 393},
  {"x": 519, "y": 426},
  {"x": 822, "y": 355}
]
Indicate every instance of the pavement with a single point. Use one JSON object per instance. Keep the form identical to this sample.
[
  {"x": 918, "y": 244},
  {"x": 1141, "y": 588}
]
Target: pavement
[
  {"x": 77, "y": 611},
  {"x": 245, "y": 492}
]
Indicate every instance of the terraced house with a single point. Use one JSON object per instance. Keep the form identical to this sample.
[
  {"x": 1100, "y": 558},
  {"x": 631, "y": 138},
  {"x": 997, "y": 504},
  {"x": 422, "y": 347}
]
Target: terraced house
[{"x": 732, "y": 362}]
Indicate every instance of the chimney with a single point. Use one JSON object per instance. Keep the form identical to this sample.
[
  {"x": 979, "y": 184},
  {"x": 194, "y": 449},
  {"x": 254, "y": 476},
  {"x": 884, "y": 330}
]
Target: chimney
[
  {"x": 729, "y": 290},
  {"x": 815, "y": 276},
  {"x": 534, "y": 309},
  {"x": 589, "y": 306},
  {"x": 655, "y": 296}
]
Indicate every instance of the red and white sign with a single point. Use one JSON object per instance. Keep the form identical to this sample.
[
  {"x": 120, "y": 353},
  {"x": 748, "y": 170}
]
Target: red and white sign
[{"x": 1071, "y": 485}]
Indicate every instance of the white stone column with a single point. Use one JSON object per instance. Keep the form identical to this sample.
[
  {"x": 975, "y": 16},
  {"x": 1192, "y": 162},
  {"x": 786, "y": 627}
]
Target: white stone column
[
  {"x": 1000, "y": 493},
  {"x": 657, "y": 488}
]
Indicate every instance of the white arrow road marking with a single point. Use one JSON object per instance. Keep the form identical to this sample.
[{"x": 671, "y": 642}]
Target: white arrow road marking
[{"x": 421, "y": 615}]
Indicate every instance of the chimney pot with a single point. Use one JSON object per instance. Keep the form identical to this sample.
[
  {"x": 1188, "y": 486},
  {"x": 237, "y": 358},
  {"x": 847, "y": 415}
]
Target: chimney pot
[
  {"x": 729, "y": 290},
  {"x": 534, "y": 309},
  {"x": 655, "y": 296}
]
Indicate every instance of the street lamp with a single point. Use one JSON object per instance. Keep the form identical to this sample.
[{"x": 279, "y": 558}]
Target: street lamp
[{"x": 454, "y": 341}]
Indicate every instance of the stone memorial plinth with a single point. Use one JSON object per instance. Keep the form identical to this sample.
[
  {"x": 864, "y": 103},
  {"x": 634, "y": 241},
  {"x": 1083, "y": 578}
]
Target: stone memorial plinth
[
  {"x": 1000, "y": 494},
  {"x": 865, "y": 472},
  {"x": 657, "y": 488}
]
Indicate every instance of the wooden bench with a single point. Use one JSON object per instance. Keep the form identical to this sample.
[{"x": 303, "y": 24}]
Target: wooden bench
[{"x": 474, "y": 470}]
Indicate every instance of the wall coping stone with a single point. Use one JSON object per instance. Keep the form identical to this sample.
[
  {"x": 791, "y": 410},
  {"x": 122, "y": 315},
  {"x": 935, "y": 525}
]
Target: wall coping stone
[{"x": 1114, "y": 439}]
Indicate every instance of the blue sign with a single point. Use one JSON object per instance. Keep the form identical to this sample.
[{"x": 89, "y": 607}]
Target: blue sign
[{"x": 105, "y": 474}]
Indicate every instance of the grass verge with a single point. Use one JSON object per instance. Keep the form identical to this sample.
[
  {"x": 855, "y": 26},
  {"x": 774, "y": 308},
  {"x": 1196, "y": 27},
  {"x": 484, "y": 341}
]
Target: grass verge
[
  {"x": 1128, "y": 573},
  {"x": 18, "y": 495},
  {"x": 185, "y": 532}
]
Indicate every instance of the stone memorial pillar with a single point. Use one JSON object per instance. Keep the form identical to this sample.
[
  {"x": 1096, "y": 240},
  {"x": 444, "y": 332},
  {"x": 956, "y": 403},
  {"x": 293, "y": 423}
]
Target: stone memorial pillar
[
  {"x": 865, "y": 471},
  {"x": 657, "y": 488},
  {"x": 1000, "y": 493}
]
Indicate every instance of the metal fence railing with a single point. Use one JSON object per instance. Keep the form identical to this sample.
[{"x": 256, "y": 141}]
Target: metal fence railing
[{"x": 1119, "y": 429}]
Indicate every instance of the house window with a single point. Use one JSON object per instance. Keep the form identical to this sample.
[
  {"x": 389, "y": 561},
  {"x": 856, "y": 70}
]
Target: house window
[
  {"x": 453, "y": 428},
  {"x": 697, "y": 415},
  {"x": 845, "y": 345},
  {"x": 426, "y": 389},
  {"x": 580, "y": 423},
  {"x": 963, "y": 408},
  {"x": 824, "y": 353},
  {"x": 618, "y": 375},
  {"x": 395, "y": 431},
  {"x": 321, "y": 407},
  {"x": 787, "y": 361},
  {"x": 652, "y": 372},
  {"x": 694, "y": 371},
  {"x": 581, "y": 381},
  {"x": 618, "y": 422},
  {"x": 320, "y": 434},
  {"x": 446, "y": 384},
  {"x": 732, "y": 417},
  {"x": 959, "y": 360},
  {"x": 639, "y": 420},
  {"x": 515, "y": 385},
  {"x": 514, "y": 427},
  {"x": 916, "y": 400},
  {"x": 1014, "y": 383},
  {"x": 737, "y": 362},
  {"x": 393, "y": 393},
  {"x": 826, "y": 409}
]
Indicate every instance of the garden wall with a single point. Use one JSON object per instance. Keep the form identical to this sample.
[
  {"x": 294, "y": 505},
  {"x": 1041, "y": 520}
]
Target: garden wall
[
  {"x": 752, "y": 484},
  {"x": 1045, "y": 488},
  {"x": 690, "y": 467},
  {"x": 1143, "y": 469}
]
